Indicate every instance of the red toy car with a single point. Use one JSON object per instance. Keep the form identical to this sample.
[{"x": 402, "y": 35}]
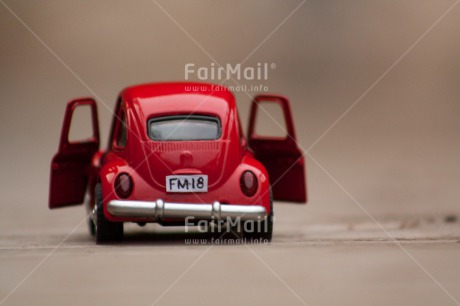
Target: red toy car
[{"x": 177, "y": 155}]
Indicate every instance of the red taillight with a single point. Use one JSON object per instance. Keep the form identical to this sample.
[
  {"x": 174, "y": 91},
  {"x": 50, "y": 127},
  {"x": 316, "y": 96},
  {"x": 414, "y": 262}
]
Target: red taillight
[
  {"x": 123, "y": 185},
  {"x": 248, "y": 183}
]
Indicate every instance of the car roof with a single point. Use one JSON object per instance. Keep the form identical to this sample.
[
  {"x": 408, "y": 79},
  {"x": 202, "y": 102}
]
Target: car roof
[
  {"x": 187, "y": 97},
  {"x": 151, "y": 90}
]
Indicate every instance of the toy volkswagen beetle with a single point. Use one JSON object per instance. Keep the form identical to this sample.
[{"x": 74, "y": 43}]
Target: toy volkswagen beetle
[{"x": 177, "y": 154}]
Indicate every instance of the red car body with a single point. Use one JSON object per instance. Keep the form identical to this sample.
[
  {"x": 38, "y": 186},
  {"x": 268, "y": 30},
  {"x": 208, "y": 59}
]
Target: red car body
[{"x": 177, "y": 153}]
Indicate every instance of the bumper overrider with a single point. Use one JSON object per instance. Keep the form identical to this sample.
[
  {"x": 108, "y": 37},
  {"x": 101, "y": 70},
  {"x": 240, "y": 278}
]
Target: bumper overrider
[{"x": 160, "y": 210}]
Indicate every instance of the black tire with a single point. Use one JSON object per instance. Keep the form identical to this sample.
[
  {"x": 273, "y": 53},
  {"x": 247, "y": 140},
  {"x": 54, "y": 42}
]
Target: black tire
[
  {"x": 261, "y": 230},
  {"x": 89, "y": 219},
  {"x": 91, "y": 226},
  {"x": 106, "y": 231}
]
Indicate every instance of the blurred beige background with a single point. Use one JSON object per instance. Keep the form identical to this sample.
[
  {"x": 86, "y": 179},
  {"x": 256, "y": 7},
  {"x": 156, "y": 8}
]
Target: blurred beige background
[{"x": 396, "y": 152}]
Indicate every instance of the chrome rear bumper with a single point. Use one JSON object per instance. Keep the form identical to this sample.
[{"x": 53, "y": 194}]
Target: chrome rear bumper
[{"x": 160, "y": 210}]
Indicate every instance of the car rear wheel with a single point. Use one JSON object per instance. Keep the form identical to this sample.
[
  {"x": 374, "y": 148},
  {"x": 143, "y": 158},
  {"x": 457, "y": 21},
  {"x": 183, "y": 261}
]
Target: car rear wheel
[
  {"x": 91, "y": 226},
  {"x": 106, "y": 231},
  {"x": 89, "y": 217},
  {"x": 261, "y": 230}
]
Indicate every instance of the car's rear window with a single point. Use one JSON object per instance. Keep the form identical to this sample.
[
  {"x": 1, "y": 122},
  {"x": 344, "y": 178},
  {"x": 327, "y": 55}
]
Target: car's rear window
[{"x": 191, "y": 127}]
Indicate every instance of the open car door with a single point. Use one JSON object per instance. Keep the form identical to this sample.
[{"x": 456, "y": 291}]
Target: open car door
[
  {"x": 71, "y": 165},
  {"x": 279, "y": 153}
]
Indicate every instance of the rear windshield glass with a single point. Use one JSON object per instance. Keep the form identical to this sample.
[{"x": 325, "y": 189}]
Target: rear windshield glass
[{"x": 184, "y": 128}]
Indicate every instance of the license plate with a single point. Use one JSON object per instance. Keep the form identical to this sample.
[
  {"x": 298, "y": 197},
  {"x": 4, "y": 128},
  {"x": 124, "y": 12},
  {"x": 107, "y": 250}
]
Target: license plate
[{"x": 187, "y": 183}]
